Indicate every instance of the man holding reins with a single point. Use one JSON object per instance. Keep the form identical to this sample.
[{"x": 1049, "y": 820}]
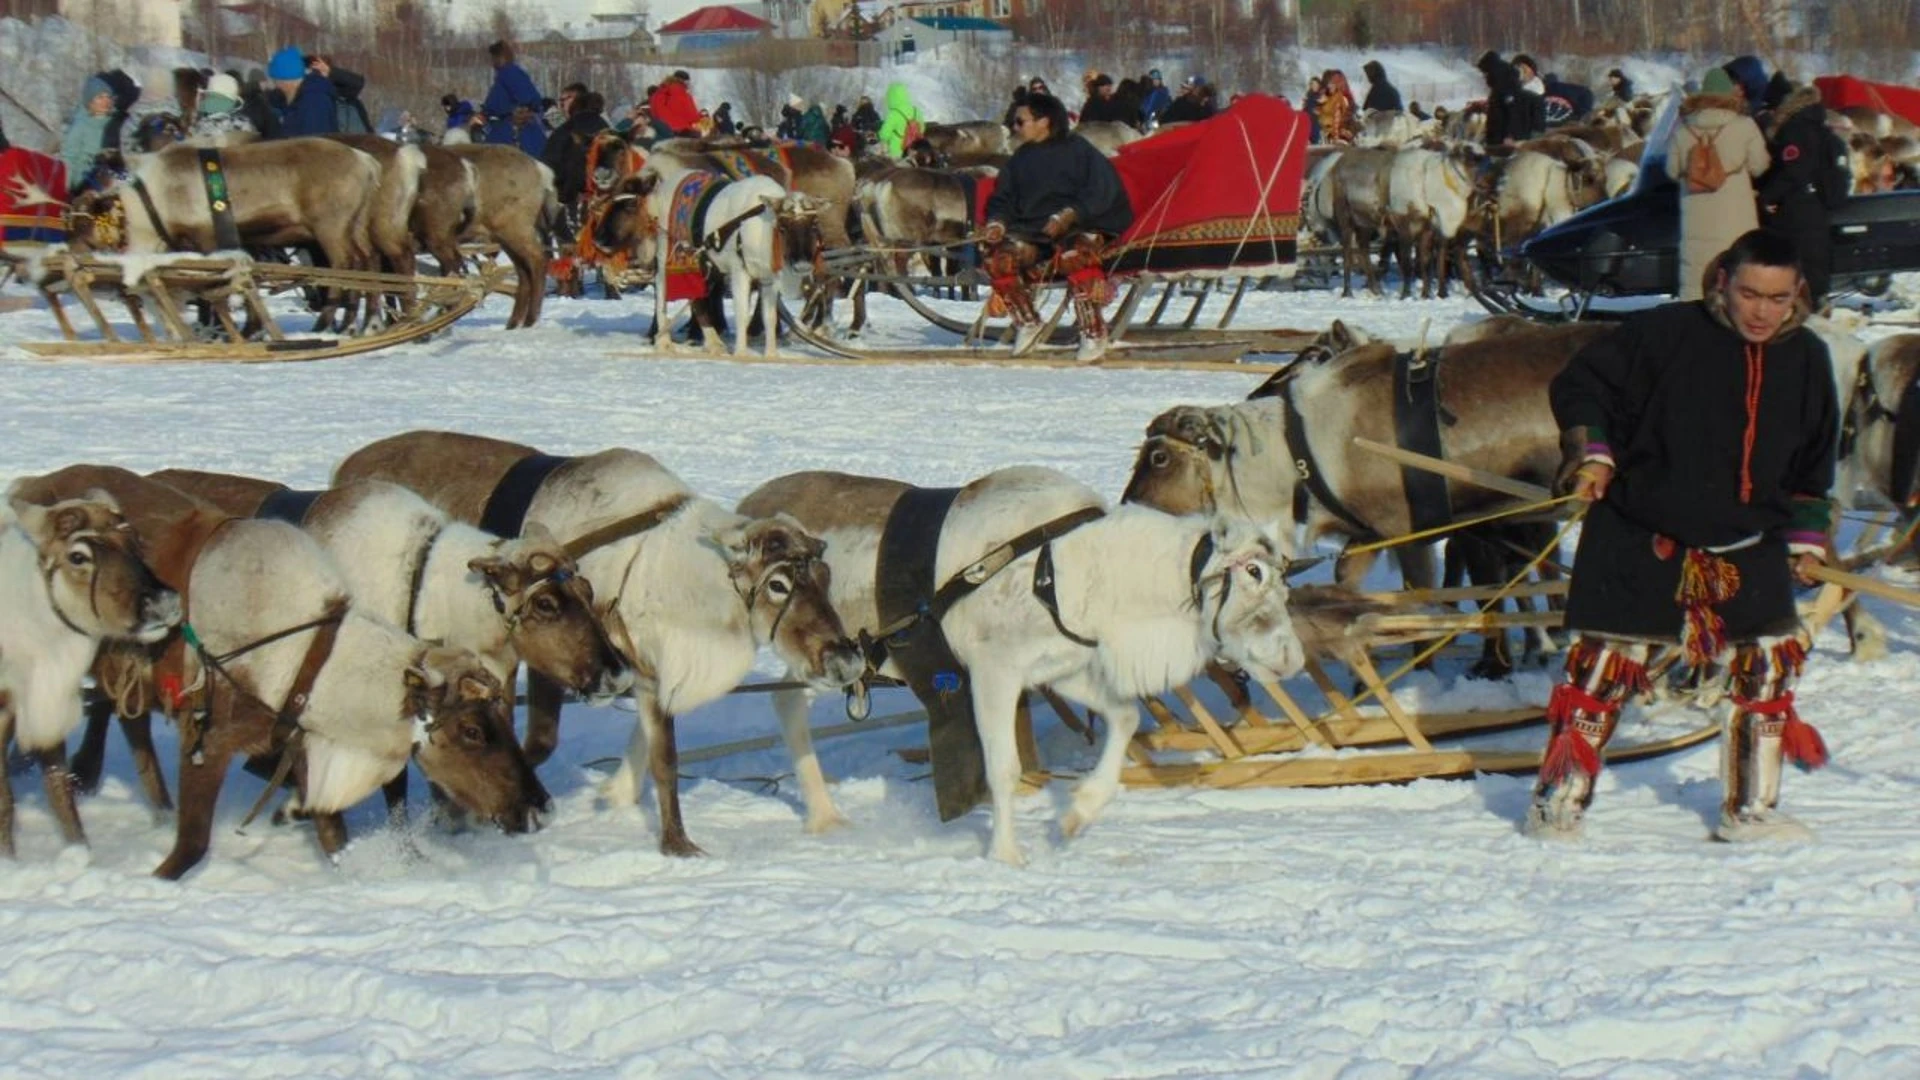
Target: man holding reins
[{"x": 1701, "y": 434}]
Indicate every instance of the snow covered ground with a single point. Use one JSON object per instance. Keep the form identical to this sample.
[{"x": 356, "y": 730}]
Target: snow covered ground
[{"x": 1363, "y": 934}]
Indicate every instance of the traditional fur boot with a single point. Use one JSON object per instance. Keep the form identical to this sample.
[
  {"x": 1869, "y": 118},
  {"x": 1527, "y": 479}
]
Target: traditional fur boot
[
  {"x": 1761, "y": 732},
  {"x": 1007, "y": 272},
  {"x": 1601, "y": 675}
]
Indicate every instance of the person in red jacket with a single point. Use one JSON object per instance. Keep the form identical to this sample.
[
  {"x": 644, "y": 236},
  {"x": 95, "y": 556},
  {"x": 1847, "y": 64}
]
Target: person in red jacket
[{"x": 673, "y": 105}]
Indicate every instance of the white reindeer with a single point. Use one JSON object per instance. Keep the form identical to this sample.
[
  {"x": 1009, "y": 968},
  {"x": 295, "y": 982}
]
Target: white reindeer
[
  {"x": 744, "y": 237},
  {"x": 69, "y": 579},
  {"x": 1149, "y": 600}
]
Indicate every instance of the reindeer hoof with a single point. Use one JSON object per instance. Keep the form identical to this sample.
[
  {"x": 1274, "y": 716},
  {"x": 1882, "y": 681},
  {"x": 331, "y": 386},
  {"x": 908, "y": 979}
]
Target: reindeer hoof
[
  {"x": 826, "y": 823},
  {"x": 681, "y": 848},
  {"x": 1011, "y": 856}
]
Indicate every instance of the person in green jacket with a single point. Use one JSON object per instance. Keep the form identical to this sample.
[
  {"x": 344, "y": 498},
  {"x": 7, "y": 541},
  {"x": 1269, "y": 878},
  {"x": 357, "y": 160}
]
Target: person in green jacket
[
  {"x": 902, "y": 122},
  {"x": 86, "y": 133}
]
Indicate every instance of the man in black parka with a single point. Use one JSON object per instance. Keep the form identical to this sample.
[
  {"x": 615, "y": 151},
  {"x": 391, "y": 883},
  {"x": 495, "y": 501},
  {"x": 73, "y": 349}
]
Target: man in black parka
[
  {"x": 1789, "y": 192},
  {"x": 1382, "y": 96},
  {"x": 1514, "y": 114},
  {"x": 1055, "y": 197},
  {"x": 1701, "y": 434}
]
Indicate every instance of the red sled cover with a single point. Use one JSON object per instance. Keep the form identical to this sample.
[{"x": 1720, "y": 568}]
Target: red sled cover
[
  {"x": 1847, "y": 92},
  {"x": 33, "y": 197},
  {"x": 1220, "y": 196}
]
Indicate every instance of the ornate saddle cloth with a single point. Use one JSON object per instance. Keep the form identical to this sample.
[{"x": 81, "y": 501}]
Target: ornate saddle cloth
[{"x": 686, "y": 227}]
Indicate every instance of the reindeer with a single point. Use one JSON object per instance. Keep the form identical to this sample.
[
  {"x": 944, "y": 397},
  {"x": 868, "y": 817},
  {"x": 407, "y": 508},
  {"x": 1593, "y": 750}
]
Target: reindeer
[
  {"x": 505, "y": 600},
  {"x": 281, "y": 661},
  {"x": 1143, "y": 602},
  {"x": 1108, "y": 136},
  {"x": 1435, "y": 202},
  {"x": 969, "y": 138},
  {"x": 748, "y": 231},
  {"x": 514, "y": 206},
  {"x": 70, "y": 577},
  {"x": 687, "y": 589},
  {"x": 1357, "y": 193}
]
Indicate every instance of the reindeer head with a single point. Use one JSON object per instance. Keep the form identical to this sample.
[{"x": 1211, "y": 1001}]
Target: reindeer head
[
  {"x": 1175, "y": 468},
  {"x": 548, "y": 608},
  {"x": 1241, "y": 591},
  {"x": 97, "y": 221},
  {"x": 797, "y": 230},
  {"x": 778, "y": 571},
  {"x": 627, "y": 222},
  {"x": 464, "y": 739},
  {"x": 95, "y": 577}
]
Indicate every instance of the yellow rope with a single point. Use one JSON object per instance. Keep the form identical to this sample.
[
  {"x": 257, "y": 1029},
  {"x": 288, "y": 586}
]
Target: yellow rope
[
  {"x": 1439, "y": 530},
  {"x": 1446, "y": 639}
]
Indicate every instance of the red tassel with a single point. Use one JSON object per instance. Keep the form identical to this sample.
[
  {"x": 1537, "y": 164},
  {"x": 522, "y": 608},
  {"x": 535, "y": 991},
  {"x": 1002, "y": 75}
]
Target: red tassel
[
  {"x": 1800, "y": 741},
  {"x": 1802, "y": 744},
  {"x": 1568, "y": 750}
]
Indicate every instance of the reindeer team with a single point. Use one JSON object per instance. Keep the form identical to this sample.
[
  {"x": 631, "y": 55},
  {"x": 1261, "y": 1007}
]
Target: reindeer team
[{"x": 333, "y": 637}]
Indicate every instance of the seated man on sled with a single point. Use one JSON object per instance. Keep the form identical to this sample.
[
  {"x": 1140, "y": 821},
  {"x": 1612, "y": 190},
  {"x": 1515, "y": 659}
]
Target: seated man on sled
[
  {"x": 1055, "y": 206},
  {"x": 1702, "y": 435}
]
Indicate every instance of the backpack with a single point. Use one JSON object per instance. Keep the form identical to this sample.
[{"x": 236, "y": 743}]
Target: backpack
[
  {"x": 1833, "y": 173},
  {"x": 1705, "y": 172}
]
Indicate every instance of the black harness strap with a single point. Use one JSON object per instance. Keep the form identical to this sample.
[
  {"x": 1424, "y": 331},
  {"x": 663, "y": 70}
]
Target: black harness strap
[
  {"x": 139, "y": 187},
  {"x": 507, "y": 507},
  {"x": 697, "y": 227},
  {"x": 419, "y": 576},
  {"x": 1308, "y": 475},
  {"x": 969, "y": 190},
  {"x": 226, "y": 232},
  {"x": 1416, "y": 427},
  {"x": 288, "y": 505},
  {"x": 905, "y": 594}
]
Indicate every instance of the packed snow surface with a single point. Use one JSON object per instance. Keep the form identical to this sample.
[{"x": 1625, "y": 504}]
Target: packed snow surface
[{"x": 1360, "y": 933}]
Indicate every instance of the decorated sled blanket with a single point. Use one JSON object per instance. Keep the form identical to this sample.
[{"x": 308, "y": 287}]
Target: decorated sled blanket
[{"x": 33, "y": 197}]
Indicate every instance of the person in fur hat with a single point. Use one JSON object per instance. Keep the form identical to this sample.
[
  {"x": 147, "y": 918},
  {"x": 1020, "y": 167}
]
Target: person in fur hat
[
  {"x": 1701, "y": 437},
  {"x": 1710, "y": 220}
]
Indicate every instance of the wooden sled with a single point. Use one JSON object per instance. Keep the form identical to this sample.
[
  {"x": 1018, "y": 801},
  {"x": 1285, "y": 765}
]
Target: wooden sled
[{"x": 169, "y": 287}]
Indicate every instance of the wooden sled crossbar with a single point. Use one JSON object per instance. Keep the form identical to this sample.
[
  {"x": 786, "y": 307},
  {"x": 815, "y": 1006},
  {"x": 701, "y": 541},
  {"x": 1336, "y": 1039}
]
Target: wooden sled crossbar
[{"x": 169, "y": 287}]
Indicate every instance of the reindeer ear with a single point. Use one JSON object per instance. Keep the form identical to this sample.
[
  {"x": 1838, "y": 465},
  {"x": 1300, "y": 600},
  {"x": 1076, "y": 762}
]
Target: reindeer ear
[
  {"x": 104, "y": 498},
  {"x": 498, "y": 569},
  {"x": 33, "y": 520},
  {"x": 537, "y": 532},
  {"x": 773, "y": 202},
  {"x": 734, "y": 542}
]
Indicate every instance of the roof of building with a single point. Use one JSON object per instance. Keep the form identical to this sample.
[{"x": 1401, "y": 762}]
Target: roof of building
[
  {"x": 708, "y": 20},
  {"x": 960, "y": 23}
]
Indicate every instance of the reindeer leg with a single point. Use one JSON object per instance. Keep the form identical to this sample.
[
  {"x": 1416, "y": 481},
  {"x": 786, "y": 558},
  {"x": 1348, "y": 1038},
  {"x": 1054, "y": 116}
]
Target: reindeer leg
[
  {"x": 59, "y": 787},
  {"x": 199, "y": 793},
  {"x": 1098, "y": 789},
  {"x": 995, "y": 701},
  {"x": 394, "y": 792},
  {"x": 146, "y": 762},
  {"x": 663, "y": 761},
  {"x": 544, "y": 698},
  {"x": 6, "y": 787},
  {"x": 90, "y": 759},
  {"x": 791, "y": 706},
  {"x": 740, "y": 284},
  {"x": 330, "y": 829}
]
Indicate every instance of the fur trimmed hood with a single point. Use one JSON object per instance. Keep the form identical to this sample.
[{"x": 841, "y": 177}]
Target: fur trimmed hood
[{"x": 1799, "y": 101}]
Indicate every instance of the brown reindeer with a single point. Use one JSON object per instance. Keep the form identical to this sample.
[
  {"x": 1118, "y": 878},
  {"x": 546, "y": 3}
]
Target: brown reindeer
[
  {"x": 1237, "y": 458},
  {"x": 516, "y": 207},
  {"x": 283, "y": 193},
  {"x": 280, "y": 654},
  {"x": 687, "y": 588},
  {"x": 71, "y": 577},
  {"x": 970, "y": 138}
]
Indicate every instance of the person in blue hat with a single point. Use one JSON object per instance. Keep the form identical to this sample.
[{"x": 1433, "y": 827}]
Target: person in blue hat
[
  {"x": 86, "y": 133},
  {"x": 1158, "y": 98},
  {"x": 312, "y": 107}
]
